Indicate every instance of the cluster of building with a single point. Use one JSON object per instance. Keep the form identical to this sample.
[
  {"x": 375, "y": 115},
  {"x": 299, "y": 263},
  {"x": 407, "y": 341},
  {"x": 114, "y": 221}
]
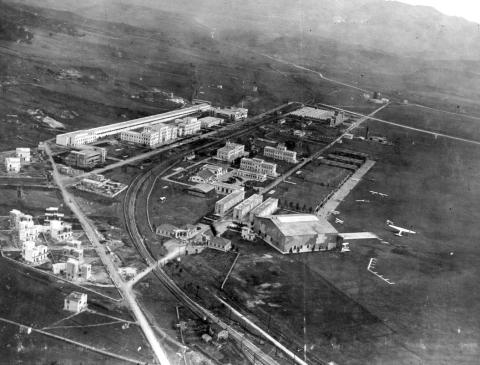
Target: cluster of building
[
  {"x": 87, "y": 136},
  {"x": 28, "y": 232},
  {"x": 14, "y": 163},
  {"x": 288, "y": 233},
  {"x": 332, "y": 117},
  {"x": 99, "y": 184},
  {"x": 231, "y": 151}
]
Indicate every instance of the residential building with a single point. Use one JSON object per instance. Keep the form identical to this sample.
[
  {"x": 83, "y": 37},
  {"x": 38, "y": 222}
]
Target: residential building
[
  {"x": 87, "y": 158},
  {"x": 166, "y": 133},
  {"x": 82, "y": 137},
  {"x": 240, "y": 212},
  {"x": 225, "y": 188},
  {"x": 24, "y": 226},
  {"x": 187, "y": 126},
  {"x": 299, "y": 133},
  {"x": 280, "y": 153},
  {"x": 228, "y": 202},
  {"x": 59, "y": 230},
  {"x": 23, "y": 154},
  {"x": 147, "y": 137},
  {"x": 219, "y": 243},
  {"x": 75, "y": 302},
  {"x": 231, "y": 151},
  {"x": 204, "y": 177},
  {"x": 72, "y": 269},
  {"x": 12, "y": 164},
  {"x": 259, "y": 165},
  {"x": 268, "y": 207},
  {"x": 33, "y": 254},
  {"x": 209, "y": 122},
  {"x": 59, "y": 268},
  {"x": 74, "y": 252},
  {"x": 85, "y": 271},
  {"x": 234, "y": 114},
  {"x": 289, "y": 233},
  {"x": 249, "y": 175}
]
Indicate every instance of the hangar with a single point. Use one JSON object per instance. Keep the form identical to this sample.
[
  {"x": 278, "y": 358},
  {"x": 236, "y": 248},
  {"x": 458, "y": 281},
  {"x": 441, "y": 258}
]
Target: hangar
[{"x": 289, "y": 233}]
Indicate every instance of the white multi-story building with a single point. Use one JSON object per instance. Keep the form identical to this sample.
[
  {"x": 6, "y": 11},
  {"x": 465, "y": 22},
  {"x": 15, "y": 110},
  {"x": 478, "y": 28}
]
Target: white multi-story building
[
  {"x": 209, "y": 122},
  {"x": 187, "y": 126},
  {"x": 147, "y": 137},
  {"x": 250, "y": 175},
  {"x": 166, "y": 133},
  {"x": 23, "y": 153},
  {"x": 12, "y": 164},
  {"x": 33, "y": 254},
  {"x": 72, "y": 269},
  {"x": 240, "y": 212},
  {"x": 234, "y": 114},
  {"x": 75, "y": 302},
  {"x": 259, "y": 165},
  {"x": 81, "y": 137},
  {"x": 280, "y": 153},
  {"x": 59, "y": 230},
  {"x": 228, "y": 202},
  {"x": 23, "y": 224},
  {"x": 231, "y": 151}
]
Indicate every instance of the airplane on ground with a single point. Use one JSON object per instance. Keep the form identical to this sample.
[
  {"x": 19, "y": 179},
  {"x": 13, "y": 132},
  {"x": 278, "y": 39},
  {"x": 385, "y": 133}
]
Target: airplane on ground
[
  {"x": 377, "y": 193},
  {"x": 337, "y": 220},
  {"x": 399, "y": 230},
  {"x": 362, "y": 201}
]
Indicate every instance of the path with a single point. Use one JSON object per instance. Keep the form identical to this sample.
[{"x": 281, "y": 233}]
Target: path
[{"x": 344, "y": 190}]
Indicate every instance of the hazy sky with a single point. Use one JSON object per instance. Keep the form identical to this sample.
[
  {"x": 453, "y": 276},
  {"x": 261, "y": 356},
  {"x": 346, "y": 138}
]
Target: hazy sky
[{"x": 468, "y": 9}]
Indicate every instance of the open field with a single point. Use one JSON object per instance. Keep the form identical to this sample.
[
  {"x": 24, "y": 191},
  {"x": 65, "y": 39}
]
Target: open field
[
  {"x": 310, "y": 187},
  {"x": 455, "y": 124},
  {"x": 31, "y": 202},
  {"x": 42, "y": 306}
]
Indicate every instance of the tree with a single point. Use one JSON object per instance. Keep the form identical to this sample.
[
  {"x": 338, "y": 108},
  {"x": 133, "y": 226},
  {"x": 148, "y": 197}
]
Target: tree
[
  {"x": 297, "y": 206},
  {"x": 290, "y": 204},
  {"x": 310, "y": 209},
  {"x": 304, "y": 209}
]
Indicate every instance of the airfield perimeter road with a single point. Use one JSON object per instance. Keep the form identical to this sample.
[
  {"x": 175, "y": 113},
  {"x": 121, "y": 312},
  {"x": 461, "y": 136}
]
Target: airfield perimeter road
[
  {"x": 125, "y": 290},
  {"x": 435, "y": 134}
]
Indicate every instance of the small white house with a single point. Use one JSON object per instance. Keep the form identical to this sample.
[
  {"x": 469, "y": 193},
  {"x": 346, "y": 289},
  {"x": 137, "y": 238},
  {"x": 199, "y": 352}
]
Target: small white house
[
  {"x": 23, "y": 154},
  {"x": 75, "y": 302},
  {"x": 12, "y": 164}
]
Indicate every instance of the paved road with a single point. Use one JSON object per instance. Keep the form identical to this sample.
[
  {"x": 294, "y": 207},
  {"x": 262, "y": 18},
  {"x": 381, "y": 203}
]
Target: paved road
[{"x": 125, "y": 290}]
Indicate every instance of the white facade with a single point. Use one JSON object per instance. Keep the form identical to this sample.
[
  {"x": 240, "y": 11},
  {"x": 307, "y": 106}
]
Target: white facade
[
  {"x": 34, "y": 254},
  {"x": 23, "y": 154},
  {"x": 147, "y": 137},
  {"x": 82, "y": 137},
  {"x": 58, "y": 267},
  {"x": 280, "y": 153},
  {"x": 209, "y": 122},
  {"x": 268, "y": 207},
  {"x": 24, "y": 226},
  {"x": 259, "y": 165},
  {"x": 72, "y": 269},
  {"x": 234, "y": 114},
  {"x": 228, "y": 202},
  {"x": 240, "y": 212},
  {"x": 187, "y": 126},
  {"x": 12, "y": 164},
  {"x": 250, "y": 175},
  {"x": 225, "y": 188},
  {"x": 75, "y": 302},
  {"x": 230, "y": 151},
  {"x": 59, "y": 230}
]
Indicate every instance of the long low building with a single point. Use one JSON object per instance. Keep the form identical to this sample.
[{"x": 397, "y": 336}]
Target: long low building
[
  {"x": 228, "y": 202},
  {"x": 85, "y": 136},
  {"x": 240, "y": 212},
  {"x": 291, "y": 233}
]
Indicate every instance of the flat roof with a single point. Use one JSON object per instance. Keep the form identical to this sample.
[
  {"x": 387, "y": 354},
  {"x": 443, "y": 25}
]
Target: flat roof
[
  {"x": 75, "y": 295},
  {"x": 301, "y": 224},
  {"x": 314, "y": 113},
  {"x": 204, "y": 188}
]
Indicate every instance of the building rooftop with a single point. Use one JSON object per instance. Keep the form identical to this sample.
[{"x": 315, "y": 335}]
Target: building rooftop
[
  {"x": 314, "y": 113},
  {"x": 203, "y": 188},
  {"x": 301, "y": 224},
  {"x": 263, "y": 206},
  {"x": 76, "y": 296},
  {"x": 247, "y": 201},
  {"x": 230, "y": 196},
  {"x": 206, "y": 174}
]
